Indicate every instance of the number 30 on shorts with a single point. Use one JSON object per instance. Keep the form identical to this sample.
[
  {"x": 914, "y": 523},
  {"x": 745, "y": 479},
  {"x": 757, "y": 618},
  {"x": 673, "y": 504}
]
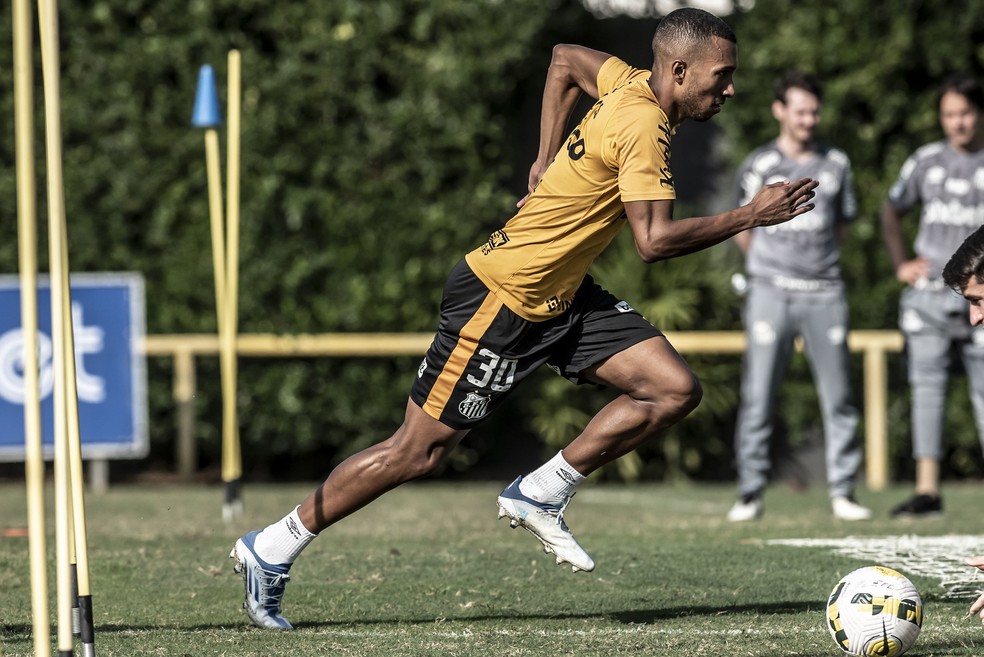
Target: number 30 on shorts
[{"x": 497, "y": 372}]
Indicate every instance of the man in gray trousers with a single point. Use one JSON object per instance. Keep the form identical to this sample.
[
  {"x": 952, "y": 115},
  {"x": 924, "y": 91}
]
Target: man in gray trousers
[
  {"x": 795, "y": 289},
  {"x": 947, "y": 179}
]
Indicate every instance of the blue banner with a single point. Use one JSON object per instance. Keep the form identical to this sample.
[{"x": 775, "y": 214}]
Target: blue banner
[{"x": 110, "y": 367}]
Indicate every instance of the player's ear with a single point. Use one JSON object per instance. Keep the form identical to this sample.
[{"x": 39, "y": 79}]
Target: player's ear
[
  {"x": 778, "y": 109},
  {"x": 679, "y": 70}
]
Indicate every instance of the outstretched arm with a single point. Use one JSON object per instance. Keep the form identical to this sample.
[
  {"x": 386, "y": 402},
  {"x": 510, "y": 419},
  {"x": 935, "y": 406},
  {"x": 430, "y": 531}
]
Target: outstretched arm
[
  {"x": 658, "y": 236},
  {"x": 573, "y": 70}
]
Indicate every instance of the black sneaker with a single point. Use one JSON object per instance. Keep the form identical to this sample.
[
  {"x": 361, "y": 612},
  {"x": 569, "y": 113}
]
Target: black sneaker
[{"x": 919, "y": 506}]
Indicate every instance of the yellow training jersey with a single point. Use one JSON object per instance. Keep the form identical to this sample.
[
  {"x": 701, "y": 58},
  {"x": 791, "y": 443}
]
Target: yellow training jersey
[{"x": 620, "y": 152}]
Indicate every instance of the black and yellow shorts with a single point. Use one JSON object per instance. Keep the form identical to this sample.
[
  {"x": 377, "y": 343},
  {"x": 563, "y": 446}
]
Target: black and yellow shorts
[{"x": 483, "y": 350}]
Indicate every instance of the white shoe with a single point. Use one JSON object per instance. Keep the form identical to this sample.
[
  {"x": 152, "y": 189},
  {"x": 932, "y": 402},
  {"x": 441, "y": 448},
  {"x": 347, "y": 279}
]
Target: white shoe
[
  {"x": 748, "y": 507},
  {"x": 846, "y": 508},
  {"x": 264, "y": 584},
  {"x": 546, "y": 522}
]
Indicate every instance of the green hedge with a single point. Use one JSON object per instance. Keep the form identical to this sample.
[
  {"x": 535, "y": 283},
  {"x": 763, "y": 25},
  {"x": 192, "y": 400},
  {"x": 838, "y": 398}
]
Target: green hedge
[{"x": 380, "y": 141}]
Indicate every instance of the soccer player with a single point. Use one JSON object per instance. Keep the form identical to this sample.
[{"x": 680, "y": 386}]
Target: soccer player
[
  {"x": 523, "y": 298},
  {"x": 964, "y": 273},
  {"x": 795, "y": 288},
  {"x": 947, "y": 178}
]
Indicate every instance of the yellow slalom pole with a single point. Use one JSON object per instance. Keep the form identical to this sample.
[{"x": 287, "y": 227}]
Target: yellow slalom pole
[
  {"x": 27, "y": 256},
  {"x": 216, "y": 219},
  {"x": 228, "y": 326},
  {"x": 48, "y": 23},
  {"x": 77, "y": 479}
]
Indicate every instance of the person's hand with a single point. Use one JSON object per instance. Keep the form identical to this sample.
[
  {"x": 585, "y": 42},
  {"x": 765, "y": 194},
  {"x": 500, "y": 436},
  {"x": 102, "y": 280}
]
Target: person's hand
[
  {"x": 536, "y": 172},
  {"x": 978, "y": 606},
  {"x": 781, "y": 201},
  {"x": 911, "y": 271}
]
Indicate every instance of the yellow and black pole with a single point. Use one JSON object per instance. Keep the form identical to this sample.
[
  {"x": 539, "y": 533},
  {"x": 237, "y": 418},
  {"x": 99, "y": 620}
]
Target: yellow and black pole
[
  {"x": 70, "y": 536},
  {"x": 27, "y": 264},
  {"x": 225, "y": 250},
  {"x": 232, "y": 464}
]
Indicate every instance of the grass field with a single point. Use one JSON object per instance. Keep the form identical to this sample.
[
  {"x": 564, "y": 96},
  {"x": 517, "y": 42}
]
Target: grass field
[{"x": 427, "y": 570}]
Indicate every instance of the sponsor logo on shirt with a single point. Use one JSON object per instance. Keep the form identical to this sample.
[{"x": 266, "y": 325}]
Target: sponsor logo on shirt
[
  {"x": 665, "y": 177},
  {"x": 953, "y": 213},
  {"x": 558, "y": 305}
]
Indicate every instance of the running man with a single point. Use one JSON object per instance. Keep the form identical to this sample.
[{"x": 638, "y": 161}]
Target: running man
[
  {"x": 523, "y": 298},
  {"x": 947, "y": 178},
  {"x": 796, "y": 290}
]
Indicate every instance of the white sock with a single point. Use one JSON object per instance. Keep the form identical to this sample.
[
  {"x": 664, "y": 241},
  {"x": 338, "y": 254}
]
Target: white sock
[
  {"x": 282, "y": 541},
  {"x": 552, "y": 482}
]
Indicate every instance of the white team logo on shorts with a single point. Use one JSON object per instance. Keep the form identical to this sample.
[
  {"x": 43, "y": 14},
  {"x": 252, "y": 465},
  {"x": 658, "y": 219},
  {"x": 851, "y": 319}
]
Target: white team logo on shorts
[
  {"x": 763, "y": 333},
  {"x": 474, "y": 406},
  {"x": 422, "y": 368},
  {"x": 624, "y": 307},
  {"x": 911, "y": 322}
]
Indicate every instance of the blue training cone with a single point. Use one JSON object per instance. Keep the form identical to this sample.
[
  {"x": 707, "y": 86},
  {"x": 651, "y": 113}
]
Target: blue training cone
[{"x": 206, "y": 113}]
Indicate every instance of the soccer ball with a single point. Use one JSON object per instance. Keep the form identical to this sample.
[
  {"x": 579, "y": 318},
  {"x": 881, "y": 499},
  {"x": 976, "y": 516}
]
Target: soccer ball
[{"x": 874, "y": 611}]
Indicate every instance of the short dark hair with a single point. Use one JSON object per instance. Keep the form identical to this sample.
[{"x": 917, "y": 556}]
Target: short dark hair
[
  {"x": 966, "y": 262},
  {"x": 681, "y": 30},
  {"x": 797, "y": 80},
  {"x": 964, "y": 84}
]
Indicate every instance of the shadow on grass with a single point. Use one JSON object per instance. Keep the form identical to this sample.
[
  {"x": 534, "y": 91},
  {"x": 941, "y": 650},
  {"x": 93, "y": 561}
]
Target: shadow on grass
[
  {"x": 640, "y": 616},
  {"x": 627, "y": 617}
]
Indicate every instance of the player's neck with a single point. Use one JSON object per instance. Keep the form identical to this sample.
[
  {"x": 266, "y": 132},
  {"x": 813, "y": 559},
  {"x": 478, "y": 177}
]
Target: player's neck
[
  {"x": 974, "y": 145},
  {"x": 663, "y": 90},
  {"x": 795, "y": 149}
]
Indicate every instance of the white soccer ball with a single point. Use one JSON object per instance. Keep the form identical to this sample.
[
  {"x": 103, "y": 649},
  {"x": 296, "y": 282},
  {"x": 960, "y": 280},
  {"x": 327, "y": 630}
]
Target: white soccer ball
[{"x": 874, "y": 611}]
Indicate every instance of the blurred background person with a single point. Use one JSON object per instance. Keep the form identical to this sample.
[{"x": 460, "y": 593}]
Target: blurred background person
[
  {"x": 947, "y": 179},
  {"x": 795, "y": 289}
]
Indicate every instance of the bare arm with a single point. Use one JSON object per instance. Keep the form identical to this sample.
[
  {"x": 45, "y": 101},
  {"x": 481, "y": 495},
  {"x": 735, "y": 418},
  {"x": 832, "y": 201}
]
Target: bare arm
[
  {"x": 573, "y": 70},
  {"x": 658, "y": 236},
  {"x": 744, "y": 240},
  {"x": 906, "y": 270}
]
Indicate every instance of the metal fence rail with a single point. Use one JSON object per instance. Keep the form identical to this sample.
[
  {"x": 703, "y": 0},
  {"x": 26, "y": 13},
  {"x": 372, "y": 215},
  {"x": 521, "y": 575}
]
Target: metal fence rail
[{"x": 184, "y": 348}]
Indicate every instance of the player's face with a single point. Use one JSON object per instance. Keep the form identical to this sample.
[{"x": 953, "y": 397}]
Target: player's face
[
  {"x": 710, "y": 80},
  {"x": 959, "y": 118},
  {"x": 799, "y": 116},
  {"x": 974, "y": 293}
]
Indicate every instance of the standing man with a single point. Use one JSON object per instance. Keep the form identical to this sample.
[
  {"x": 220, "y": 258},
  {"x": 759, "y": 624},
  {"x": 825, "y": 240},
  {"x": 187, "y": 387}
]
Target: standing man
[
  {"x": 947, "y": 178},
  {"x": 796, "y": 290},
  {"x": 523, "y": 298}
]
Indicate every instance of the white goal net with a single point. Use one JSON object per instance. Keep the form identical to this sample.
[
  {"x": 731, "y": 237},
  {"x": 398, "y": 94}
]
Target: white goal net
[{"x": 938, "y": 557}]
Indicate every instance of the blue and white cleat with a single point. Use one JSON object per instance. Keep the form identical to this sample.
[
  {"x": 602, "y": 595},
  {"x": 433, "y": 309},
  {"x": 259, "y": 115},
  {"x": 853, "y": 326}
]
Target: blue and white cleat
[
  {"x": 546, "y": 522},
  {"x": 264, "y": 582}
]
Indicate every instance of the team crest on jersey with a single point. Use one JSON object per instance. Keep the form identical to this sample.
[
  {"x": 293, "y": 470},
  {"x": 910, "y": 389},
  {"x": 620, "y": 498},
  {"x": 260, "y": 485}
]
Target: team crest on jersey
[
  {"x": 623, "y": 307},
  {"x": 474, "y": 406},
  {"x": 496, "y": 239}
]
